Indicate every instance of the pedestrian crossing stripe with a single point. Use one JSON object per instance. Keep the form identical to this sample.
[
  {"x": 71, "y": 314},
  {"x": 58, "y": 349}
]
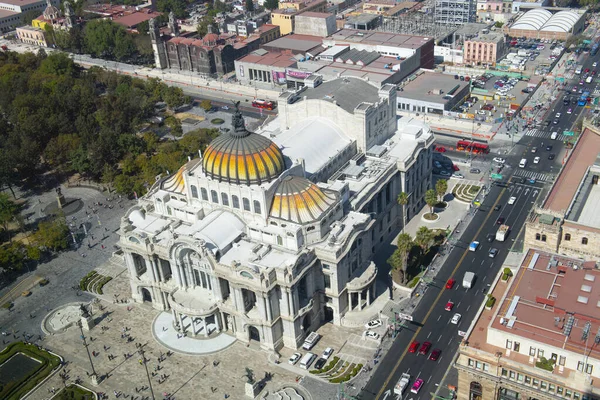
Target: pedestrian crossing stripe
[
  {"x": 543, "y": 134},
  {"x": 538, "y": 176}
]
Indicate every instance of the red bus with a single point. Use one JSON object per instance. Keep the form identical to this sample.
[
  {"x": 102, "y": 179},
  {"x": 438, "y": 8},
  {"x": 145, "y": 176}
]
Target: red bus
[
  {"x": 266, "y": 104},
  {"x": 472, "y": 147}
]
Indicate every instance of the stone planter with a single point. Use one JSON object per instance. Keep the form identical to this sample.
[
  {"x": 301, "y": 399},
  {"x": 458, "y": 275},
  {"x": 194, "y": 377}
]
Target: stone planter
[
  {"x": 429, "y": 221},
  {"x": 251, "y": 389}
]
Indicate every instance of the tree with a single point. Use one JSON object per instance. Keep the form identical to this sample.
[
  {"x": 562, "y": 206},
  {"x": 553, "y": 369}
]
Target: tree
[
  {"x": 499, "y": 24},
  {"x": 104, "y": 38},
  {"x": 271, "y": 4},
  {"x": 203, "y": 25},
  {"x": 424, "y": 238},
  {"x": 175, "y": 125},
  {"x": 250, "y": 6},
  {"x": 431, "y": 199},
  {"x": 53, "y": 234},
  {"x": 8, "y": 211},
  {"x": 441, "y": 187},
  {"x": 60, "y": 149},
  {"x": 399, "y": 259},
  {"x": 206, "y": 105},
  {"x": 403, "y": 201},
  {"x": 12, "y": 256}
]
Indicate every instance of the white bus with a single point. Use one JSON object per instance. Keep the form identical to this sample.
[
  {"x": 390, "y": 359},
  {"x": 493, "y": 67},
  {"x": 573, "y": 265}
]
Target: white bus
[{"x": 307, "y": 360}]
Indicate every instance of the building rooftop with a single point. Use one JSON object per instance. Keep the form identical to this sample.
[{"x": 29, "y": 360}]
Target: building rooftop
[
  {"x": 362, "y": 18},
  {"x": 312, "y": 14},
  {"x": 20, "y": 3},
  {"x": 132, "y": 20},
  {"x": 295, "y": 42},
  {"x": 348, "y": 93},
  {"x": 565, "y": 187},
  {"x": 425, "y": 85},
  {"x": 551, "y": 299},
  {"x": 471, "y": 29},
  {"x": 270, "y": 58},
  {"x": 379, "y": 38},
  {"x": 492, "y": 37},
  {"x": 6, "y": 13}
]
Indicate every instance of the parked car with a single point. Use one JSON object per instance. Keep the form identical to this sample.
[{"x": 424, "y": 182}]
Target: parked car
[
  {"x": 373, "y": 324},
  {"x": 294, "y": 358},
  {"x": 327, "y": 353},
  {"x": 320, "y": 363},
  {"x": 475, "y": 171},
  {"x": 458, "y": 176},
  {"x": 372, "y": 335}
]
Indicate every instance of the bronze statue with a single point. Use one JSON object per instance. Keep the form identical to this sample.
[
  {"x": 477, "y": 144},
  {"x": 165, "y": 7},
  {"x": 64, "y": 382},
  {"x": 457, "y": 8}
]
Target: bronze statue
[
  {"x": 84, "y": 311},
  {"x": 249, "y": 376},
  {"x": 238, "y": 119}
]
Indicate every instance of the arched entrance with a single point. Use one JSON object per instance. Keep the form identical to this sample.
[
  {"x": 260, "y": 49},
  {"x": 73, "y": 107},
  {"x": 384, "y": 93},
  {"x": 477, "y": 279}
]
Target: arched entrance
[
  {"x": 146, "y": 296},
  {"x": 475, "y": 391},
  {"x": 253, "y": 333},
  {"x": 327, "y": 314},
  {"x": 306, "y": 322}
]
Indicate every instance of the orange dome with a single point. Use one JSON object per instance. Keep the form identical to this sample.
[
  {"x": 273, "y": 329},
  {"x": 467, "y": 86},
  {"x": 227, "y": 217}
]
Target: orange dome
[{"x": 299, "y": 200}]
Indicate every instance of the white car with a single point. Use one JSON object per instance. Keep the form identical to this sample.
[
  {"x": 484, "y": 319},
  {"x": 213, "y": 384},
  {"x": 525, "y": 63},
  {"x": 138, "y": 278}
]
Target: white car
[
  {"x": 536, "y": 160},
  {"x": 373, "y": 324},
  {"x": 294, "y": 358},
  {"x": 327, "y": 353},
  {"x": 595, "y": 64},
  {"x": 557, "y": 115},
  {"x": 372, "y": 335},
  {"x": 455, "y": 319},
  {"x": 512, "y": 200},
  {"x": 458, "y": 176},
  {"x": 499, "y": 160}
]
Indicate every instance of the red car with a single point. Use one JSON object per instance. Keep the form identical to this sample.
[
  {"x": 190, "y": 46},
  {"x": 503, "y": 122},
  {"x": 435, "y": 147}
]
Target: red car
[
  {"x": 586, "y": 71},
  {"x": 413, "y": 347},
  {"x": 450, "y": 283},
  {"x": 425, "y": 348},
  {"x": 435, "y": 354},
  {"x": 455, "y": 167},
  {"x": 440, "y": 149},
  {"x": 449, "y": 306}
]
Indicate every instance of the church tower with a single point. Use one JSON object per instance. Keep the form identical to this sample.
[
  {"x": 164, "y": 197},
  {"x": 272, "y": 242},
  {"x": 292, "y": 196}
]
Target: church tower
[
  {"x": 158, "y": 47},
  {"x": 69, "y": 14},
  {"x": 173, "y": 27}
]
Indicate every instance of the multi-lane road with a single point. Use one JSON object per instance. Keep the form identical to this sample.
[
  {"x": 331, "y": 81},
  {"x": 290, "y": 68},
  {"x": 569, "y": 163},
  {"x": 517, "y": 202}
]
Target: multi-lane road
[{"x": 430, "y": 320}]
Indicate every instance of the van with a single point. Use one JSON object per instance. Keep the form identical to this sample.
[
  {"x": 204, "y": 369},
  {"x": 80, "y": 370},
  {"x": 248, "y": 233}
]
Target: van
[
  {"x": 523, "y": 163},
  {"x": 311, "y": 340},
  {"x": 307, "y": 360},
  {"x": 554, "y": 135}
]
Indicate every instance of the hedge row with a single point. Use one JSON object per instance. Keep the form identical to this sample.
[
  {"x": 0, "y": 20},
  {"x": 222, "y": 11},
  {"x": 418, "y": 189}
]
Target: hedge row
[
  {"x": 101, "y": 284},
  {"x": 326, "y": 368},
  {"x": 490, "y": 301},
  {"x": 348, "y": 375},
  {"x": 86, "y": 279}
]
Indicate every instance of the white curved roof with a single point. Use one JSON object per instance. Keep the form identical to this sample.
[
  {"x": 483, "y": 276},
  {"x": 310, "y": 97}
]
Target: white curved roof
[
  {"x": 543, "y": 20},
  {"x": 562, "y": 21},
  {"x": 533, "y": 20}
]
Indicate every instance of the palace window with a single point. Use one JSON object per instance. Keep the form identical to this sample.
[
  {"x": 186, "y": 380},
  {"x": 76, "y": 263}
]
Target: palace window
[
  {"x": 194, "y": 191},
  {"x": 214, "y": 196},
  {"x": 224, "y": 199},
  {"x": 204, "y": 194},
  {"x": 246, "y": 203},
  {"x": 236, "y": 201}
]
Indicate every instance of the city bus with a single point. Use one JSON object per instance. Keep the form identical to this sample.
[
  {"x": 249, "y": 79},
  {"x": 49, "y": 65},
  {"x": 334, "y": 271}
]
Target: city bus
[
  {"x": 472, "y": 147},
  {"x": 264, "y": 104},
  {"x": 583, "y": 100}
]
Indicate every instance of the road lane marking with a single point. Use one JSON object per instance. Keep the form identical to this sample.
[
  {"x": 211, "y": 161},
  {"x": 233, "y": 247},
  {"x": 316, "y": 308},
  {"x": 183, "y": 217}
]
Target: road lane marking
[
  {"x": 439, "y": 317},
  {"x": 440, "y": 338},
  {"x": 428, "y": 379},
  {"x": 468, "y": 308},
  {"x": 450, "y": 341},
  {"x": 482, "y": 261},
  {"x": 428, "y": 335},
  {"x": 458, "y": 304},
  {"x": 437, "y": 299}
]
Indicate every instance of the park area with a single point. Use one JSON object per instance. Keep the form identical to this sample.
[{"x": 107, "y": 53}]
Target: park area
[{"x": 22, "y": 367}]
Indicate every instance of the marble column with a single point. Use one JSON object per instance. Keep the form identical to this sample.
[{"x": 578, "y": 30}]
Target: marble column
[
  {"x": 130, "y": 264},
  {"x": 296, "y": 299},
  {"x": 150, "y": 265},
  {"x": 193, "y": 324},
  {"x": 176, "y": 274},
  {"x": 204, "y": 327},
  {"x": 216, "y": 287},
  {"x": 285, "y": 300},
  {"x": 158, "y": 267},
  {"x": 288, "y": 298},
  {"x": 349, "y": 300},
  {"x": 175, "y": 320},
  {"x": 217, "y": 318},
  {"x": 359, "y": 300},
  {"x": 269, "y": 311},
  {"x": 369, "y": 295},
  {"x": 261, "y": 303},
  {"x": 181, "y": 325}
]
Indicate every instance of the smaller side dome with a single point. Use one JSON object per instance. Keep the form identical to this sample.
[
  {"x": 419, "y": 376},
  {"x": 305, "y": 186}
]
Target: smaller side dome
[{"x": 299, "y": 200}]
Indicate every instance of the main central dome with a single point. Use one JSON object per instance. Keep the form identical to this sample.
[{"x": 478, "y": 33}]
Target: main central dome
[{"x": 242, "y": 157}]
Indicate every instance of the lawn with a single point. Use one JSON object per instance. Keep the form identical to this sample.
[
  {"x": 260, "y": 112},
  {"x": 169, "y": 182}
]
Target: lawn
[
  {"x": 73, "y": 392},
  {"x": 22, "y": 367}
]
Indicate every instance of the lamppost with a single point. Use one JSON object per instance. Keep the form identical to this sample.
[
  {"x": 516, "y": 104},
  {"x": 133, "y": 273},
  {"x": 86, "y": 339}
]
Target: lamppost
[
  {"x": 94, "y": 375},
  {"x": 144, "y": 361}
]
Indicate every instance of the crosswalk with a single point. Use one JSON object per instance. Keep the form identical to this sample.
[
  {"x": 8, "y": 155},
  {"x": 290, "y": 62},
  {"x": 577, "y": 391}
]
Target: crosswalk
[
  {"x": 596, "y": 92},
  {"x": 544, "y": 134},
  {"x": 538, "y": 176}
]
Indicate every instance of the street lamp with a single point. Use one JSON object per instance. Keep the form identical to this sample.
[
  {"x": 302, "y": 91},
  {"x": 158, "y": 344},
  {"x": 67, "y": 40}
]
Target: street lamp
[
  {"x": 143, "y": 360},
  {"x": 94, "y": 375}
]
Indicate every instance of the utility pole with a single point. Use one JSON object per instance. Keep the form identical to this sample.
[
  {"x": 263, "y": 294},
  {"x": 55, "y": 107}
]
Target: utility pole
[
  {"x": 94, "y": 375},
  {"x": 144, "y": 361}
]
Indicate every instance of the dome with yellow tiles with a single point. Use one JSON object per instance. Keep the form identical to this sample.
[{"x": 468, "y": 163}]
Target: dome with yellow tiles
[
  {"x": 242, "y": 157},
  {"x": 299, "y": 200}
]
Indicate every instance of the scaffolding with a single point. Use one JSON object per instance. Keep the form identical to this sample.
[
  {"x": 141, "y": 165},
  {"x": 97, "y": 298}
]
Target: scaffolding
[
  {"x": 415, "y": 23},
  {"x": 454, "y": 12}
]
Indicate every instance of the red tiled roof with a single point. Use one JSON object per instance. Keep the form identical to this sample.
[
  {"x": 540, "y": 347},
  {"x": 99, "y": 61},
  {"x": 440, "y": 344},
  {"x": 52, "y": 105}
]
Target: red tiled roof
[{"x": 134, "y": 19}]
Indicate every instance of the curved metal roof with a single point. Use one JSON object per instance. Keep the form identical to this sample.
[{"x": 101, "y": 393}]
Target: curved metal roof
[
  {"x": 299, "y": 200},
  {"x": 562, "y": 21},
  {"x": 532, "y": 20}
]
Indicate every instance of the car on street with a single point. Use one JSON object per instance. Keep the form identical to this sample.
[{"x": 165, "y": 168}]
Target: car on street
[
  {"x": 458, "y": 176},
  {"x": 487, "y": 107},
  {"x": 512, "y": 200},
  {"x": 595, "y": 64},
  {"x": 435, "y": 354},
  {"x": 500, "y": 221},
  {"x": 425, "y": 348},
  {"x": 499, "y": 160},
  {"x": 440, "y": 149},
  {"x": 416, "y": 386},
  {"x": 294, "y": 358},
  {"x": 475, "y": 171},
  {"x": 450, "y": 283},
  {"x": 455, "y": 318},
  {"x": 557, "y": 115},
  {"x": 536, "y": 160},
  {"x": 570, "y": 111},
  {"x": 490, "y": 237},
  {"x": 320, "y": 363},
  {"x": 372, "y": 335},
  {"x": 534, "y": 149},
  {"x": 449, "y": 306},
  {"x": 497, "y": 207},
  {"x": 586, "y": 71},
  {"x": 532, "y": 180},
  {"x": 413, "y": 347},
  {"x": 445, "y": 173},
  {"x": 493, "y": 252},
  {"x": 373, "y": 324},
  {"x": 327, "y": 353},
  {"x": 474, "y": 246},
  {"x": 551, "y": 156},
  {"x": 555, "y": 122},
  {"x": 455, "y": 167},
  {"x": 549, "y": 148}
]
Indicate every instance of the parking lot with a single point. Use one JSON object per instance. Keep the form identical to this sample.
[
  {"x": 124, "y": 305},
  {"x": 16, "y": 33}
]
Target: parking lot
[{"x": 537, "y": 54}]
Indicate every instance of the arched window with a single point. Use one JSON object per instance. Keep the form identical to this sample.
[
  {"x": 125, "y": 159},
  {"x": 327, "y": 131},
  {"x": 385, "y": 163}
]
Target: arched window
[
  {"x": 584, "y": 240},
  {"x": 194, "y": 191},
  {"x": 476, "y": 391},
  {"x": 214, "y": 196},
  {"x": 235, "y": 200},
  {"x": 567, "y": 236},
  {"x": 224, "y": 199},
  {"x": 204, "y": 194},
  {"x": 256, "y": 206},
  {"x": 538, "y": 236},
  {"x": 246, "y": 204},
  {"x": 543, "y": 238}
]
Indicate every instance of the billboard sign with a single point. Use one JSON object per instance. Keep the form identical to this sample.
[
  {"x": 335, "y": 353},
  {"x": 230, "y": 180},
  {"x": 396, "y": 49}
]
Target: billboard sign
[{"x": 290, "y": 73}]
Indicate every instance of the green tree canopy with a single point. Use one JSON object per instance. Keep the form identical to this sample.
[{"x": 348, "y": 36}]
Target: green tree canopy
[
  {"x": 441, "y": 187},
  {"x": 399, "y": 259},
  {"x": 53, "y": 235},
  {"x": 8, "y": 211},
  {"x": 106, "y": 39},
  {"x": 271, "y": 4},
  {"x": 424, "y": 239},
  {"x": 431, "y": 199}
]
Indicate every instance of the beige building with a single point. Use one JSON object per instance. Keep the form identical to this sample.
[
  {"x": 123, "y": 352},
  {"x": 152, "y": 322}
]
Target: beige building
[
  {"x": 484, "y": 49},
  {"x": 32, "y": 35},
  {"x": 568, "y": 222},
  {"x": 284, "y": 17},
  {"x": 540, "y": 338}
]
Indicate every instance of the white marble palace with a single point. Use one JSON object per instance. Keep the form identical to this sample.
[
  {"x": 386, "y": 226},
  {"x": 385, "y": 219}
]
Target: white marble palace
[{"x": 268, "y": 235}]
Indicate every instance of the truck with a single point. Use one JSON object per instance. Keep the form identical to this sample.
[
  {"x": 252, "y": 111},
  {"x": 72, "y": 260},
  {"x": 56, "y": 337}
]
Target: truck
[
  {"x": 578, "y": 69},
  {"x": 502, "y": 233},
  {"x": 402, "y": 384},
  {"x": 468, "y": 280}
]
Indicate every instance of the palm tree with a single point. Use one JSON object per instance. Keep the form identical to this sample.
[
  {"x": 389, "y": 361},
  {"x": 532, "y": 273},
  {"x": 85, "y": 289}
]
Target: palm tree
[
  {"x": 431, "y": 199},
  {"x": 403, "y": 201},
  {"x": 399, "y": 258},
  {"x": 423, "y": 239},
  {"x": 441, "y": 187}
]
